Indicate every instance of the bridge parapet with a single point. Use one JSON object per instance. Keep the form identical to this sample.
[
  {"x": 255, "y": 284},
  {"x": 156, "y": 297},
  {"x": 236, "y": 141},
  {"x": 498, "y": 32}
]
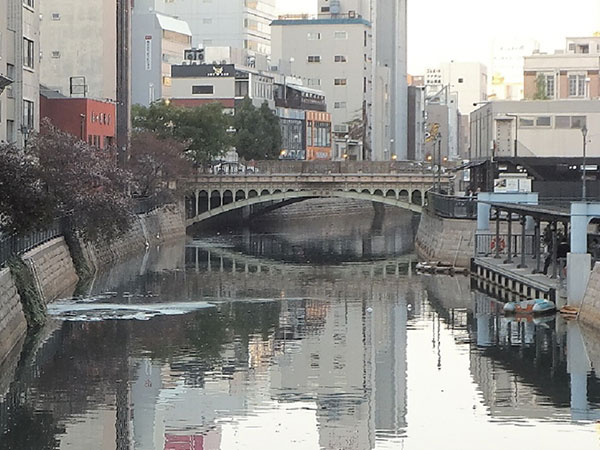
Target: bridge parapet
[{"x": 210, "y": 195}]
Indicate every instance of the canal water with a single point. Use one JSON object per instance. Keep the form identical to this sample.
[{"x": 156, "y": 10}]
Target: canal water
[{"x": 313, "y": 333}]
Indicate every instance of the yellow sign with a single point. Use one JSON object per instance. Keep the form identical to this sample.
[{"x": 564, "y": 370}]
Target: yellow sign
[{"x": 434, "y": 130}]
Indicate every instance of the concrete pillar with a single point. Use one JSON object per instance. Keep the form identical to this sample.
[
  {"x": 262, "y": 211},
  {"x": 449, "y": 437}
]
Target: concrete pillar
[
  {"x": 578, "y": 366},
  {"x": 579, "y": 267}
]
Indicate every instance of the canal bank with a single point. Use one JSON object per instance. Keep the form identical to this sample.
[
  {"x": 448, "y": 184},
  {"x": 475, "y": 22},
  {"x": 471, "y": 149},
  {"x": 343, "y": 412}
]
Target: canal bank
[{"x": 52, "y": 268}]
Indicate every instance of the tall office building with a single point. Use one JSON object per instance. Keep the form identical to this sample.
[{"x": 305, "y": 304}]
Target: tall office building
[
  {"x": 309, "y": 48},
  {"x": 19, "y": 70},
  {"x": 217, "y": 23}
]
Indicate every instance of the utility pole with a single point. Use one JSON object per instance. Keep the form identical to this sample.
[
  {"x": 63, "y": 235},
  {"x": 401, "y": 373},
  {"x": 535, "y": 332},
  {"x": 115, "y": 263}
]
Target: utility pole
[{"x": 123, "y": 79}]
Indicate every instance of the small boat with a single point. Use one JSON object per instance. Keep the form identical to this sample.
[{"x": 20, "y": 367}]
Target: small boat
[{"x": 537, "y": 306}]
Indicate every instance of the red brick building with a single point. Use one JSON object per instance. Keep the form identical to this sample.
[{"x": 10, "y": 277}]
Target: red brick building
[{"x": 88, "y": 119}]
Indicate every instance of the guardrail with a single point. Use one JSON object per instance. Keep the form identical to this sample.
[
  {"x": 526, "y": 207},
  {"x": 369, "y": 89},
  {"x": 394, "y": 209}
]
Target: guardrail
[
  {"x": 451, "y": 207},
  {"x": 15, "y": 245},
  {"x": 486, "y": 244}
]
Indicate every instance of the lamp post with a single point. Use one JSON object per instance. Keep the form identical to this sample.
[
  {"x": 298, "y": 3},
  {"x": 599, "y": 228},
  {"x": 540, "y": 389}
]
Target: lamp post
[{"x": 584, "y": 131}]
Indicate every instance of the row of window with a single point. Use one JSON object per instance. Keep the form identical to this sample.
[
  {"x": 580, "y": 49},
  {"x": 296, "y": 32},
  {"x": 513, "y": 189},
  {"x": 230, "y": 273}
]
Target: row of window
[
  {"x": 101, "y": 118},
  {"x": 317, "y": 59},
  {"x": 318, "y": 134},
  {"x": 337, "y": 35},
  {"x": 577, "y": 85},
  {"x": 260, "y": 90},
  {"x": 560, "y": 122}
]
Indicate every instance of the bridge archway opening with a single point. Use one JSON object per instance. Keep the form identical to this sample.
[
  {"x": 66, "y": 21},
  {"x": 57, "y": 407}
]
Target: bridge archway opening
[
  {"x": 277, "y": 191},
  {"x": 264, "y": 192},
  {"x": 366, "y": 191},
  {"x": 378, "y": 192},
  {"x": 417, "y": 197},
  {"x": 215, "y": 199},
  {"x": 202, "y": 202},
  {"x": 252, "y": 193},
  {"x": 390, "y": 193},
  {"x": 227, "y": 197},
  {"x": 403, "y": 195},
  {"x": 240, "y": 195}
]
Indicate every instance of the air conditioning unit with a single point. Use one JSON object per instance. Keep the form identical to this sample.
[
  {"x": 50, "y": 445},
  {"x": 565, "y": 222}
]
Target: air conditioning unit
[{"x": 352, "y": 14}]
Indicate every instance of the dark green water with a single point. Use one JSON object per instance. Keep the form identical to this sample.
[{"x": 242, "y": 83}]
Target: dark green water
[{"x": 303, "y": 336}]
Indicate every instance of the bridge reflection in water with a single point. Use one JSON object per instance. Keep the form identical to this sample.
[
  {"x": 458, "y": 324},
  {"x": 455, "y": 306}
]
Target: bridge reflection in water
[{"x": 324, "y": 356}]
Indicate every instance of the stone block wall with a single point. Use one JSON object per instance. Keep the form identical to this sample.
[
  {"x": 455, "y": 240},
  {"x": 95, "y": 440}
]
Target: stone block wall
[
  {"x": 12, "y": 320},
  {"x": 590, "y": 307},
  {"x": 160, "y": 225},
  {"x": 451, "y": 241},
  {"x": 53, "y": 269}
]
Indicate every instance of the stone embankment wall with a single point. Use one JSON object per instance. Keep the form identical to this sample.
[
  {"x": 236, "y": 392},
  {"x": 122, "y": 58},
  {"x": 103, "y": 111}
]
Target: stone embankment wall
[
  {"x": 12, "y": 319},
  {"x": 52, "y": 269},
  {"x": 51, "y": 265},
  {"x": 590, "y": 307},
  {"x": 451, "y": 241}
]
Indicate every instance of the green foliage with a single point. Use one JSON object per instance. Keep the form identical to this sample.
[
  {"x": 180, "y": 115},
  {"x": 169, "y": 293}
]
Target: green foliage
[
  {"x": 540, "y": 88},
  {"x": 34, "y": 307},
  {"x": 258, "y": 135},
  {"x": 202, "y": 130}
]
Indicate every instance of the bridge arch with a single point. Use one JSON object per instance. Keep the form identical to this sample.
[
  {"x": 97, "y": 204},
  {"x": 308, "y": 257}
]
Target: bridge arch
[
  {"x": 287, "y": 197},
  {"x": 240, "y": 195}
]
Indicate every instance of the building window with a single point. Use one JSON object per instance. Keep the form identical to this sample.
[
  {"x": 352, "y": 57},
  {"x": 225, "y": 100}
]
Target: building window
[
  {"x": 339, "y": 59},
  {"x": 313, "y": 82},
  {"x": 55, "y": 16},
  {"x": 10, "y": 131},
  {"x": 339, "y": 105},
  {"x": 578, "y": 122},
  {"x": 339, "y": 82},
  {"x": 29, "y": 3},
  {"x": 525, "y": 122},
  {"x": 340, "y": 128},
  {"x": 314, "y": 59},
  {"x": 55, "y": 54},
  {"x": 543, "y": 121},
  {"x": 314, "y": 36},
  {"x": 577, "y": 85},
  {"x": 28, "y": 53},
  {"x": 340, "y": 35},
  {"x": 202, "y": 90},
  {"x": 10, "y": 73},
  {"x": 28, "y": 113},
  {"x": 549, "y": 84},
  {"x": 309, "y": 133},
  {"x": 562, "y": 121},
  {"x": 324, "y": 9}
]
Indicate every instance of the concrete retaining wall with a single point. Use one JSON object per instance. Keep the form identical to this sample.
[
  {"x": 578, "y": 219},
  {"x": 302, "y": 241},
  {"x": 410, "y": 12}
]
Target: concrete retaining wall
[
  {"x": 12, "y": 320},
  {"x": 161, "y": 225},
  {"x": 52, "y": 269},
  {"x": 450, "y": 241},
  {"x": 590, "y": 308}
]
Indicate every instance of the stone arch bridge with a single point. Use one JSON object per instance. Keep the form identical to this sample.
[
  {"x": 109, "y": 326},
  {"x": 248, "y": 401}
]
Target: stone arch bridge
[{"x": 207, "y": 196}]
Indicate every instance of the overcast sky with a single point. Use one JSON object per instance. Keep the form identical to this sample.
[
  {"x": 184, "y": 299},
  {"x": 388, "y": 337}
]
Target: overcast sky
[{"x": 464, "y": 30}]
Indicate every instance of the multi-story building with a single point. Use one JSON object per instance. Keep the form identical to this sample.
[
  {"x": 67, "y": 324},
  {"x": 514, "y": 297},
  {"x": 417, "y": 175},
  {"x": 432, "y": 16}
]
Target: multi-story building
[
  {"x": 332, "y": 54},
  {"x": 361, "y": 46},
  {"x": 158, "y": 42},
  {"x": 199, "y": 84},
  {"x": 241, "y": 24},
  {"x": 90, "y": 120},
  {"x": 507, "y": 68},
  {"x": 572, "y": 73},
  {"x": 19, "y": 70},
  {"x": 79, "y": 48},
  {"x": 416, "y": 123}
]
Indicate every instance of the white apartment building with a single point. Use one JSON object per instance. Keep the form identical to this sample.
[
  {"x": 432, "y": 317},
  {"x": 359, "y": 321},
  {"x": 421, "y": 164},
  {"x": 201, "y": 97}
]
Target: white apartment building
[
  {"x": 79, "y": 43},
  {"x": 333, "y": 55},
  {"x": 507, "y": 67},
  {"x": 218, "y": 23},
  {"x": 157, "y": 42},
  {"x": 571, "y": 73},
  {"x": 19, "y": 70},
  {"x": 467, "y": 81}
]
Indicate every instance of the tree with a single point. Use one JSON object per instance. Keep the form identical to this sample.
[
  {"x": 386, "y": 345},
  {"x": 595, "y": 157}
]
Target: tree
[
  {"x": 540, "y": 88},
  {"x": 24, "y": 204},
  {"x": 202, "y": 130},
  {"x": 83, "y": 181},
  {"x": 258, "y": 135},
  {"x": 154, "y": 161}
]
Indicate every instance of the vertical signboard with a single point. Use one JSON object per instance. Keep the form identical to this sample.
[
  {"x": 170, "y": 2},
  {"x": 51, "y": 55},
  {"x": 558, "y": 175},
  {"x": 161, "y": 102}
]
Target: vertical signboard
[{"x": 148, "y": 53}]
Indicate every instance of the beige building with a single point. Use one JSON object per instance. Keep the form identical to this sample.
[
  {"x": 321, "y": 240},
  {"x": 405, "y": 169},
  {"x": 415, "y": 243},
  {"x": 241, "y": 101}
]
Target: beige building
[
  {"x": 571, "y": 73},
  {"x": 332, "y": 55},
  {"x": 19, "y": 70},
  {"x": 79, "y": 39}
]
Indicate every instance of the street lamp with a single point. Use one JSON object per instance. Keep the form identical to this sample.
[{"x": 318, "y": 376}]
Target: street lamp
[{"x": 584, "y": 132}]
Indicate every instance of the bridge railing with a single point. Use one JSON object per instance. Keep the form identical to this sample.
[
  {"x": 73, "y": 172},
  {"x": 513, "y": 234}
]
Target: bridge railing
[
  {"x": 486, "y": 243},
  {"x": 452, "y": 207}
]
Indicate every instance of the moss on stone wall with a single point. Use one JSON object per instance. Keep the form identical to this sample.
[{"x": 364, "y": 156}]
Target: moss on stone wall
[
  {"x": 34, "y": 306},
  {"x": 84, "y": 271}
]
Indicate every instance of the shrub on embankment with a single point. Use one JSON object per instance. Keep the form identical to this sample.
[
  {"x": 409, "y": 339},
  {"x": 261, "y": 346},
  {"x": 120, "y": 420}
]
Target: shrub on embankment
[{"x": 33, "y": 305}]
